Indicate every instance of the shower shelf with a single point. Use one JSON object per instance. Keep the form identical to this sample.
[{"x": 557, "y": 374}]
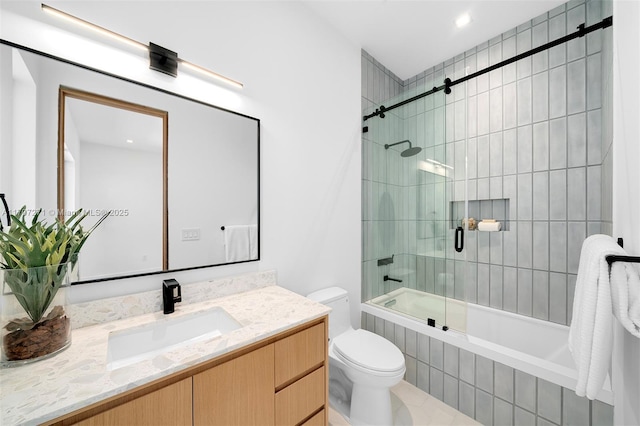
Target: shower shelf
[{"x": 495, "y": 208}]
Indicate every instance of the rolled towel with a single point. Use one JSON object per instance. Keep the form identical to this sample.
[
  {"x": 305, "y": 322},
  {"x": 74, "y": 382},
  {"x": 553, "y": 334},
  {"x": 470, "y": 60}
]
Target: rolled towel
[{"x": 489, "y": 226}]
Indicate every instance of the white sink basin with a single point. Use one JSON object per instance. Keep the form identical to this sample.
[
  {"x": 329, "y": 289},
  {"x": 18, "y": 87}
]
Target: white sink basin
[{"x": 136, "y": 344}]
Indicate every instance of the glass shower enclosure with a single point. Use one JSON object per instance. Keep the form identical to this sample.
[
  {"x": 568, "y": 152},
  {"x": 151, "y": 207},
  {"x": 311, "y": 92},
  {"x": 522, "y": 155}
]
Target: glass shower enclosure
[{"x": 414, "y": 205}]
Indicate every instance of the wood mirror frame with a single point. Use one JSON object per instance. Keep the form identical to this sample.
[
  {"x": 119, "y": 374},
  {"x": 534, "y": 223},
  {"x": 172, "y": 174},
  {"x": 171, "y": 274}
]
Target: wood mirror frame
[{"x": 65, "y": 93}]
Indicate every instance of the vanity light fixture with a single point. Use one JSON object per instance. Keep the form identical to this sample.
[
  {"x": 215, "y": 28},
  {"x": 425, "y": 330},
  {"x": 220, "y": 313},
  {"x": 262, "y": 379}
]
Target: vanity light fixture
[
  {"x": 93, "y": 27},
  {"x": 160, "y": 59},
  {"x": 209, "y": 73}
]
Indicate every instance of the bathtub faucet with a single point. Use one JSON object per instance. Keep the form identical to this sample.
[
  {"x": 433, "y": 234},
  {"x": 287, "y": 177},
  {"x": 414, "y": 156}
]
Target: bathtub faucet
[{"x": 388, "y": 278}]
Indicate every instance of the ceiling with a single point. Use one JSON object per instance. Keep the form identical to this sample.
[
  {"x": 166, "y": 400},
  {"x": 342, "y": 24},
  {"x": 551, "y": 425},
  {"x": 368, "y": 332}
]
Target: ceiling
[
  {"x": 410, "y": 36},
  {"x": 114, "y": 127},
  {"x": 406, "y": 36}
]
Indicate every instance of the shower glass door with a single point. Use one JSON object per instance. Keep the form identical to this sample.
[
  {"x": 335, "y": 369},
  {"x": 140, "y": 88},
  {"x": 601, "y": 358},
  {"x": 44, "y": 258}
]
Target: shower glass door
[{"x": 414, "y": 198}]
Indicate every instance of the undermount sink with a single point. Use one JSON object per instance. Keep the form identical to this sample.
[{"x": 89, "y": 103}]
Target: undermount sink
[{"x": 136, "y": 344}]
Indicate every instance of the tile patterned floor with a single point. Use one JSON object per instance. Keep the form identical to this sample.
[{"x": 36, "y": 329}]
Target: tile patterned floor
[{"x": 413, "y": 407}]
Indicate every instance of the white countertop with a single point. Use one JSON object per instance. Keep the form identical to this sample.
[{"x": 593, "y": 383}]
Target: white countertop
[{"x": 78, "y": 376}]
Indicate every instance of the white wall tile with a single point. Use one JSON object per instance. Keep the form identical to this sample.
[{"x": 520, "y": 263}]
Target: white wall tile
[
  {"x": 558, "y": 143},
  {"x": 558, "y": 247},
  {"x": 525, "y": 244},
  {"x": 541, "y": 196},
  {"x": 576, "y": 193},
  {"x": 541, "y": 146},
  {"x": 594, "y": 137},
  {"x": 524, "y": 101},
  {"x": 577, "y": 140},
  {"x": 525, "y": 291},
  {"x": 495, "y": 110},
  {"x": 540, "y": 97},
  {"x": 557, "y": 91},
  {"x": 576, "y": 86},
  {"x": 525, "y": 149}
]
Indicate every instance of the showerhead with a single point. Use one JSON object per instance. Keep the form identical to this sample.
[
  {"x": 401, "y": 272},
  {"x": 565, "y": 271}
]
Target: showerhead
[{"x": 409, "y": 152}]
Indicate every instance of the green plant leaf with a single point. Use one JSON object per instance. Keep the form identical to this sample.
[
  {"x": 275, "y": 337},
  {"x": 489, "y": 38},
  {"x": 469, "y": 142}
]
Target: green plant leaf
[{"x": 36, "y": 258}]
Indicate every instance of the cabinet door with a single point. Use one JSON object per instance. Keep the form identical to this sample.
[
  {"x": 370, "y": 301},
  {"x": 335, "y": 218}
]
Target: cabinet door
[
  {"x": 170, "y": 405},
  {"x": 238, "y": 392},
  {"x": 299, "y": 354}
]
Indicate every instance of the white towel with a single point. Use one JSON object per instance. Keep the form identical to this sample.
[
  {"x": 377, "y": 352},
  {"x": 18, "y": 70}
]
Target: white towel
[
  {"x": 489, "y": 226},
  {"x": 625, "y": 295},
  {"x": 253, "y": 242},
  {"x": 590, "y": 334},
  {"x": 237, "y": 243}
]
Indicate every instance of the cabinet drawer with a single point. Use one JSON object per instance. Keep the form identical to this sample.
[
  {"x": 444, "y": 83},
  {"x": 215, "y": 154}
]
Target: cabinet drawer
[
  {"x": 317, "y": 420},
  {"x": 300, "y": 399},
  {"x": 297, "y": 354}
]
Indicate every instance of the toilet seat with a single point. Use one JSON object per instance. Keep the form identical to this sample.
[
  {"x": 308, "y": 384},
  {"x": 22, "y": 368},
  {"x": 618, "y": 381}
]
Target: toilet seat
[{"x": 369, "y": 353}]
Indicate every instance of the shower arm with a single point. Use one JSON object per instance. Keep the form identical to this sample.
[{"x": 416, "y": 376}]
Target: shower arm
[{"x": 387, "y": 146}]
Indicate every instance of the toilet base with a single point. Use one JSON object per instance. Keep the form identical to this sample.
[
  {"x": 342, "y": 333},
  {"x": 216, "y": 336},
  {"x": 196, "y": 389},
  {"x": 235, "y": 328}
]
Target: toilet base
[
  {"x": 343, "y": 408},
  {"x": 370, "y": 406}
]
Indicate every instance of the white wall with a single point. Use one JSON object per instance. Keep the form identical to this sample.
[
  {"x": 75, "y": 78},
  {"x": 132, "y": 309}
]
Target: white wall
[
  {"x": 6, "y": 126},
  {"x": 301, "y": 79},
  {"x": 121, "y": 179},
  {"x": 626, "y": 192},
  {"x": 23, "y": 137}
]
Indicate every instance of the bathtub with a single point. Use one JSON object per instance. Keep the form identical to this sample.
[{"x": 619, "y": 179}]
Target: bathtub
[{"x": 527, "y": 344}]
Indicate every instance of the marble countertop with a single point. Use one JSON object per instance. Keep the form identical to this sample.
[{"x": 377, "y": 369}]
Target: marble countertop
[{"x": 77, "y": 377}]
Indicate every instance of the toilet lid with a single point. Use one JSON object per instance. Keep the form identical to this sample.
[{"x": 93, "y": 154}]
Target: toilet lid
[{"x": 369, "y": 351}]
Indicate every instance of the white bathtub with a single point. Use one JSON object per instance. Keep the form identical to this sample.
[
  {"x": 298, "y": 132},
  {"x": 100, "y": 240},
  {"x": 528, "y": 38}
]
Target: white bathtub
[{"x": 527, "y": 344}]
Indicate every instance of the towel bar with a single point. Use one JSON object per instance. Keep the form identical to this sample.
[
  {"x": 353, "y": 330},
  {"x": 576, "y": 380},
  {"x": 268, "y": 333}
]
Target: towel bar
[{"x": 617, "y": 258}]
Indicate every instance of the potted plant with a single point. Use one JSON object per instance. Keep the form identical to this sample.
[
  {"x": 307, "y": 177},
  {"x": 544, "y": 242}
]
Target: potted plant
[{"x": 35, "y": 264}]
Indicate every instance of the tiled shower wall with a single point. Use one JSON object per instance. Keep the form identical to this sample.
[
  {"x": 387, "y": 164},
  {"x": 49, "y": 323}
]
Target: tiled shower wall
[
  {"x": 486, "y": 390},
  {"x": 535, "y": 137}
]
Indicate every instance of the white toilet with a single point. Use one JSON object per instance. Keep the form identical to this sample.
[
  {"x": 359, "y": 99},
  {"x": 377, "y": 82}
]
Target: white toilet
[{"x": 362, "y": 365}]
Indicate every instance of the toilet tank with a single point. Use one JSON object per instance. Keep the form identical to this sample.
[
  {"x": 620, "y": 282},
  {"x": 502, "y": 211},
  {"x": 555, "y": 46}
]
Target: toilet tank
[{"x": 338, "y": 300}]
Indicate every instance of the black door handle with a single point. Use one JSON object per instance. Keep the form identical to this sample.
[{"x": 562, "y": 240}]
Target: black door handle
[{"x": 459, "y": 239}]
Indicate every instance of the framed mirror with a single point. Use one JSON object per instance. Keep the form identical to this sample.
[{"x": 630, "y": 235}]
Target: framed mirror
[
  {"x": 183, "y": 194},
  {"x": 112, "y": 157}
]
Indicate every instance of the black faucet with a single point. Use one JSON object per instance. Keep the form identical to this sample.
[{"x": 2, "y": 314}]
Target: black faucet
[{"x": 171, "y": 294}]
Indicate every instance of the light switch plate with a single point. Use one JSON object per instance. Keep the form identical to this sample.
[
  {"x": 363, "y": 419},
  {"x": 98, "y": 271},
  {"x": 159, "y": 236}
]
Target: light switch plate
[{"x": 191, "y": 234}]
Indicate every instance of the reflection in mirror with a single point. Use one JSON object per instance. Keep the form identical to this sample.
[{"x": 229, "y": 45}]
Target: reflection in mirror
[
  {"x": 112, "y": 157},
  {"x": 211, "y": 170}
]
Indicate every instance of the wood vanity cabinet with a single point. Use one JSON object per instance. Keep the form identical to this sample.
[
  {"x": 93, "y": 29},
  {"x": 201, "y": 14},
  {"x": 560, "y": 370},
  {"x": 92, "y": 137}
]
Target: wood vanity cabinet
[
  {"x": 168, "y": 405},
  {"x": 282, "y": 380},
  {"x": 237, "y": 392}
]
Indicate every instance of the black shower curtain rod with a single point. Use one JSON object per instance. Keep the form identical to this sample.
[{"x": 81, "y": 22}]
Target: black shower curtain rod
[{"x": 448, "y": 84}]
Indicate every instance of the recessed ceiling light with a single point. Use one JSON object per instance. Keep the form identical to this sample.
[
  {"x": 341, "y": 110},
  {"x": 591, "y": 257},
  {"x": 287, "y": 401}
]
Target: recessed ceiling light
[
  {"x": 129, "y": 140},
  {"x": 463, "y": 20}
]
